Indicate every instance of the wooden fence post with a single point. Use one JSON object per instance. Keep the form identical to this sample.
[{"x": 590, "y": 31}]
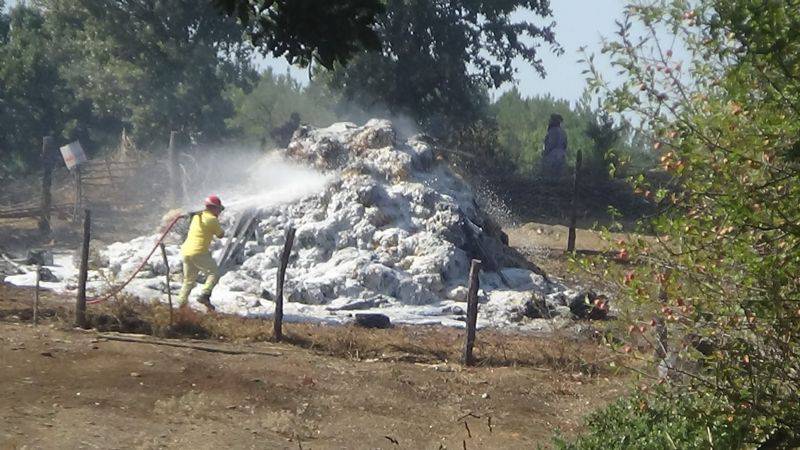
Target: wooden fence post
[
  {"x": 175, "y": 186},
  {"x": 80, "y": 306},
  {"x": 169, "y": 289},
  {"x": 574, "y": 211},
  {"x": 76, "y": 173},
  {"x": 287, "y": 250},
  {"x": 472, "y": 310},
  {"x": 110, "y": 175},
  {"x": 36, "y": 295},
  {"x": 47, "y": 157},
  {"x": 662, "y": 347}
]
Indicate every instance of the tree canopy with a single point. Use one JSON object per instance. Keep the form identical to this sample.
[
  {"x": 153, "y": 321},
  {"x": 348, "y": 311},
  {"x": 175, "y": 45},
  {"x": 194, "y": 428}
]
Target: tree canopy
[
  {"x": 721, "y": 278},
  {"x": 438, "y": 58},
  {"x": 271, "y": 102},
  {"x": 91, "y": 68},
  {"x": 35, "y": 99},
  {"x": 152, "y": 66},
  {"x": 303, "y": 31}
]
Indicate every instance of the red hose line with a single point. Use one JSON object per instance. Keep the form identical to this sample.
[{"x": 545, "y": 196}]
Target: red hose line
[{"x": 138, "y": 269}]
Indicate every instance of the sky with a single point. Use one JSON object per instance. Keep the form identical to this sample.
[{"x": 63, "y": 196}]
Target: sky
[{"x": 578, "y": 23}]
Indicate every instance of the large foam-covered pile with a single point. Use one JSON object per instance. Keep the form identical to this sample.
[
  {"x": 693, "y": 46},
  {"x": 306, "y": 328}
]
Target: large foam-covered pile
[{"x": 387, "y": 228}]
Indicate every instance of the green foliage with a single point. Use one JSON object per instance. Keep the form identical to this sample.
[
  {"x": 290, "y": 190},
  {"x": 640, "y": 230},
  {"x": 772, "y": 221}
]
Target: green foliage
[
  {"x": 523, "y": 123},
  {"x": 152, "y": 67},
  {"x": 90, "y": 68},
  {"x": 35, "y": 100},
  {"x": 272, "y": 101},
  {"x": 87, "y": 69},
  {"x": 604, "y": 135},
  {"x": 522, "y": 126},
  {"x": 674, "y": 421},
  {"x": 4, "y": 22},
  {"x": 727, "y": 121},
  {"x": 439, "y": 58},
  {"x": 305, "y": 30}
]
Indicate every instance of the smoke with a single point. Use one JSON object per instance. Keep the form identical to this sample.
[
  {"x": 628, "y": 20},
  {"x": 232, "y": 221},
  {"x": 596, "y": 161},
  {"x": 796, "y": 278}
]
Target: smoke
[
  {"x": 349, "y": 111},
  {"x": 246, "y": 177},
  {"x": 249, "y": 178}
]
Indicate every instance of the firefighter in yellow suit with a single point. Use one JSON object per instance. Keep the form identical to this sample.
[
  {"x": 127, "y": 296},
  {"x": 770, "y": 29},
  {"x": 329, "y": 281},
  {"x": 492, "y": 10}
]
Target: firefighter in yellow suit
[{"x": 196, "y": 255}]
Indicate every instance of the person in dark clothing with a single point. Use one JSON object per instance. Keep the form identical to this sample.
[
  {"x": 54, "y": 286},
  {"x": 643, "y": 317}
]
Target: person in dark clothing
[
  {"x": 554, "y": 157},
  {"x": 282, "y": 135}
]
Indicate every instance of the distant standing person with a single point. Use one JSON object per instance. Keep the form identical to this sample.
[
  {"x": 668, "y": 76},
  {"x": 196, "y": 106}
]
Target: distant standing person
[
  {"x": 282, "y": 135},
  {"x": 554, "y": 157},
  {"x": 196, "y": 255}
]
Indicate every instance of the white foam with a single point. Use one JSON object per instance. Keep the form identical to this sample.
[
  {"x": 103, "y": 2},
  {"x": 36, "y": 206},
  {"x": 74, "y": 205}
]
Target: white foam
[{"x": 380, "y": 228}]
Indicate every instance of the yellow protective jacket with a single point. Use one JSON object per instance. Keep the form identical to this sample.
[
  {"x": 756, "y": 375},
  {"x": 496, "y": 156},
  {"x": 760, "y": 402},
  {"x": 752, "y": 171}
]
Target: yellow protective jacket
[{"x": 202, "y": 229}]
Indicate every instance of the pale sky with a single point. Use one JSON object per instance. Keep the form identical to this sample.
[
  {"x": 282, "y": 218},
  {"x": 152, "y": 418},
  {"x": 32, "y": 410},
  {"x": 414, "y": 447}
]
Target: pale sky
[{"x": 578, "y": 23}]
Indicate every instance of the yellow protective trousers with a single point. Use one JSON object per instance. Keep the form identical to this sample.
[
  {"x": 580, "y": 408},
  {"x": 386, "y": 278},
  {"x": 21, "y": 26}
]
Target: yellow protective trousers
[{"x": 192, "y": 266}]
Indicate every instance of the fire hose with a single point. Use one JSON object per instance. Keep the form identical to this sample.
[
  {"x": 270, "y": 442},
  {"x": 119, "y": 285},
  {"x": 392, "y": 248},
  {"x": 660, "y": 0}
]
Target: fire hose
[{"x": 119, "y": 288}]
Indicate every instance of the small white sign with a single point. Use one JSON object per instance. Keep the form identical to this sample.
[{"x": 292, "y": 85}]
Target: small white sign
[{"x": 73, "y": 154}]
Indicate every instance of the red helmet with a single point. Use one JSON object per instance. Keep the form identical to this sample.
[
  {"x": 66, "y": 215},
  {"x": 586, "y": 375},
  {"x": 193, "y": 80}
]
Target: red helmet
[{"x": 213, "y": 200}]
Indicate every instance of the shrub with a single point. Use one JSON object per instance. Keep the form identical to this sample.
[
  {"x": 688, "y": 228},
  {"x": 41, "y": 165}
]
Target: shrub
[
  {"x": 722, "y": 276},
  {"x": 661, "y": 421}
]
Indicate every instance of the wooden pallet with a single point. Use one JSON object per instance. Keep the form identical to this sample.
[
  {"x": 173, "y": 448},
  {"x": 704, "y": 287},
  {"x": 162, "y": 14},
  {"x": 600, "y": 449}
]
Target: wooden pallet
[{"x": 26, "y": 212}]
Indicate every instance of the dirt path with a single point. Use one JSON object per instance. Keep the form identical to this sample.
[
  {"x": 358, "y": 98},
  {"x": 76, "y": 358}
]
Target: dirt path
[
  {"x": 71, "y": 389},
  {"x": 553, "y": 238}
]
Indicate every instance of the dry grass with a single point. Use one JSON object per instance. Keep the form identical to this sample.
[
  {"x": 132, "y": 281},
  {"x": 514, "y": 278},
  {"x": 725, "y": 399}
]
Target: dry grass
[{"x": 561, "y": 351}]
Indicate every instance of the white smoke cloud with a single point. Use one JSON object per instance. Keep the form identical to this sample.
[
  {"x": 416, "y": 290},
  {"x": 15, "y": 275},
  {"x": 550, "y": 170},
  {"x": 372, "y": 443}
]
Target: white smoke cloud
[{"x": 246, "y": 179}]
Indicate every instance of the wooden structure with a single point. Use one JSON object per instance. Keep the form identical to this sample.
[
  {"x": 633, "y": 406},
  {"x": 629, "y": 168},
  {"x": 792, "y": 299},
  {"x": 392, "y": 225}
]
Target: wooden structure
[
  {"x": 287, "y": 251},
  {"x": 48, "y": 157},
  {"x": 173, "y": 169},
  {"x": 29, "y": 210},
  {"x": 98, "y": 184},
  {"x": 472, "y": 311},
  {"x": 102, "y": 179},
  {"x": 80, "y": 305},
  {"x": 168, "y": 288},
  {"x": 574, "y": 206}
]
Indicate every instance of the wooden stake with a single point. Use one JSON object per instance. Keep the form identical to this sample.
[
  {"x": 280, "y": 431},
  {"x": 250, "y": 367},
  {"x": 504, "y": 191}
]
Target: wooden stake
[
  {"x": 110, "y": 175},
  {"x": 78, "y": 192},
  {"x": 48, "y": 144},
  {"x": 472, "y": 310},
  {"x": 574, "y": 211},
  {"x": 287, "y": 250},
  {"x": 36, "y": 296},
  {"x": 169, "y": 290},
  {"x": 80, "y": 306},
  {"x": 662, "y": 347}
]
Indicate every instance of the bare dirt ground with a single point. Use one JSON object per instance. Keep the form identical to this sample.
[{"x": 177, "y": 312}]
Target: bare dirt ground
[
  {"x": 64, "y": 388},
  {"x": 535, "y": 235}
]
